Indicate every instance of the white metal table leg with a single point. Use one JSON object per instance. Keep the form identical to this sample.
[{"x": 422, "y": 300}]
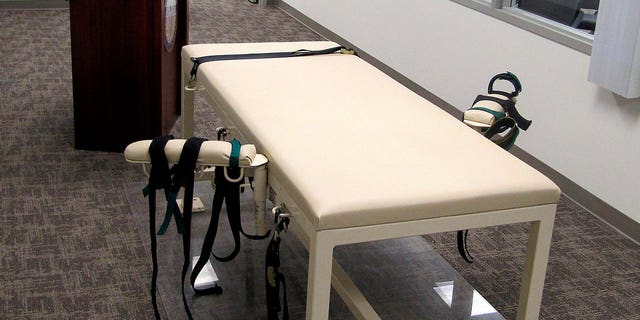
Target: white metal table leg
[
  {"x": 351, "y": 295},
  {"x": 260, "y": 197},
  {"x": 536, "y": 265},
  {"x": 319, "y": 278},
  {"x": 187, "y": 108}
]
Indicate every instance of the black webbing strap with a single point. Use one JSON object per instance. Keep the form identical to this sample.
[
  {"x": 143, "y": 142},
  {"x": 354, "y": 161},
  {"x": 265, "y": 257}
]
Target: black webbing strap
[
  {"x": 511, "y": 110},
  {"x": 226, "y": 192},
  {"x": 197, "y": 61},
  {"x": 508, "y": 76},
  {"x": 508, "y": 139},
  {"x": 184, "y": 177},
  {"x": 159, "y": 178},
  {"x": 273, "y": 276},
  {"x": 462, "y": 245}
]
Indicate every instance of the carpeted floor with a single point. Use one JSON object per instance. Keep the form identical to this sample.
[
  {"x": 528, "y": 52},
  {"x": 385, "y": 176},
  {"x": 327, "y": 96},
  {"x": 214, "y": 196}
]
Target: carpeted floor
[
  {"x": 69, "y": 248},
  {"x": 406, "y": 267}
]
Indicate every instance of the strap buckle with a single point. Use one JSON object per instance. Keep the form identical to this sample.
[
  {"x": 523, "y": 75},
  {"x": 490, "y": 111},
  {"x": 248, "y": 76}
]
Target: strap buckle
[
  {"x": 347, "y": 51},
  {"x": 281, "y": 219}
]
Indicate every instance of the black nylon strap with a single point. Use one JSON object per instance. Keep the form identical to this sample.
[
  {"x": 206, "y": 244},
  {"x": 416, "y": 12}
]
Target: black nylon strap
[
  {"x": 508, "y": 76},
  {"x": 273, "y": 280},
  {"x": 207, "y": 245},
  {"x": 197, "y": 61},
  {"x": 462, "y": 245},
  {"x": 159, "y": 178},
  {"x": 229, "y": 193},
  {"x": 154, "y": 253},
  {"x": 520, "y": 120},
  {"x": 183, "y": 177},
  {"x": 502, "y": 125}
]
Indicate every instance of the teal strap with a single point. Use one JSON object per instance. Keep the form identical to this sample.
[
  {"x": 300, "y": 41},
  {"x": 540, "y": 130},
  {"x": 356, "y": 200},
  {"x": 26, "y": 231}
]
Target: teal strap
[
  {"x": 234, "y": 157},
  {"x": 496, "y": 114},
  {"x": 171, "y": 202}
]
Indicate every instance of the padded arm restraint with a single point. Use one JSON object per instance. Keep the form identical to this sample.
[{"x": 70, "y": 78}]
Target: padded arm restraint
[
  {"x": 186, "y": 155},
  {"x": 487, "y": 109},
  {"x": 212, "y": 153}
]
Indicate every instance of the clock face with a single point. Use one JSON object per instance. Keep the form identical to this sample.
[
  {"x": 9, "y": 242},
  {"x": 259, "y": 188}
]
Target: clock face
[{"x": 170, "y": 23}]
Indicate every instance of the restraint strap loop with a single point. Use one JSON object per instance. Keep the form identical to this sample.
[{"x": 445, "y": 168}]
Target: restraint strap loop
[
  {"x": 507, "y": 140},
  {"x": 226, "y": 192},
  {"x": 508, "y": 76}
]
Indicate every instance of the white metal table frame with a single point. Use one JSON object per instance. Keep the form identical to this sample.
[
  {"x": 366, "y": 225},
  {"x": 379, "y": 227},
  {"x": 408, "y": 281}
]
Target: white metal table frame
[{"x": 324, "y": 271}]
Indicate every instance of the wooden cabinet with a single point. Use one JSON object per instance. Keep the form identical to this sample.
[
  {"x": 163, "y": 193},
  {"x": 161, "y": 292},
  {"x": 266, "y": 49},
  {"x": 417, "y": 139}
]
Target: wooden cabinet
[{"x": 126, "y": 69}]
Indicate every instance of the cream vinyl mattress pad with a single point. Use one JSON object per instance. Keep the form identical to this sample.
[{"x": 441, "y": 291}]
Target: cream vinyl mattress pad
[{"x": 353, "y": 147}]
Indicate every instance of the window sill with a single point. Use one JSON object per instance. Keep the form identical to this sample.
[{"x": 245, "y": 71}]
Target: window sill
[{"x": 554, "y": 31}]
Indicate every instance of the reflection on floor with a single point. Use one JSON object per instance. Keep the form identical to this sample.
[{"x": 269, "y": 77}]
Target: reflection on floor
[{"x": 479, "y": 305}]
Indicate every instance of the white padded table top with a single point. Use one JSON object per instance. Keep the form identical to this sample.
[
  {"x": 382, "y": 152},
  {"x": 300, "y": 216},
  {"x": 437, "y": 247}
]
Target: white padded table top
[{"x": 354, "y": 147}]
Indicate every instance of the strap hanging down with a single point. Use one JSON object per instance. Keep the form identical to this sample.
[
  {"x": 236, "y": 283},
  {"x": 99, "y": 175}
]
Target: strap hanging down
[
  {"x": 462, "y": 245},
  {"x": 197, "y": 61},
  {"x": 273, "y": 276},
  {"x": 184, "y": 177},
  {"x": 226, "y": 192},
  {"x": 159, "y": 178}
]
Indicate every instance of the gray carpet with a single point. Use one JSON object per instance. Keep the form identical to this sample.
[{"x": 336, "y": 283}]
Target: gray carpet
[
  {"x": 593, "y": 272},
  {"x": 69, "y": 248}
]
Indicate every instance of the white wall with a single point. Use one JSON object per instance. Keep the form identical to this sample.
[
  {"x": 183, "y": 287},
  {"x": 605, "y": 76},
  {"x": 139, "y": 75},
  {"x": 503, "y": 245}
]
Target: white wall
[{"x": 586, "y": 133}]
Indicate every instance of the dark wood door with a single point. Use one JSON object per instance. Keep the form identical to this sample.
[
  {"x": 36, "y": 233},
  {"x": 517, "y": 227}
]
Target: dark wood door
[{"x": 126, "y": 69}]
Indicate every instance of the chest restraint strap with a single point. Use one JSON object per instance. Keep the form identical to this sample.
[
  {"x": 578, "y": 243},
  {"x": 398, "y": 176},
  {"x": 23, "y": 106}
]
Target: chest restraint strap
[
  {"x": 197, "y": 61},
  {"x": 159, "y": 178}
]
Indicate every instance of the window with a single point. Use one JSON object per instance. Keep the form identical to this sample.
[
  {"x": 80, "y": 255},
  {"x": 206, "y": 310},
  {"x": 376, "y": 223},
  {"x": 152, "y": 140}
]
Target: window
[
  {"x": 579, "y": 14},
  {"x": 615, "y": 62},
  {"x": 569, "y": 22}
]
